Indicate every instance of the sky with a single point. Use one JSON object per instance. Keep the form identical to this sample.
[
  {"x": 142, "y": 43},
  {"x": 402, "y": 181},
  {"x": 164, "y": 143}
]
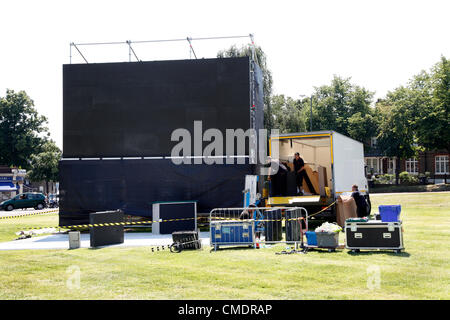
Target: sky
[{"x": 379, "y": 44}]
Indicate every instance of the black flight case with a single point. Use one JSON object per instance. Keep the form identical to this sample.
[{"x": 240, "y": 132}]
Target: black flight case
[{"x": 373, "y": 235}]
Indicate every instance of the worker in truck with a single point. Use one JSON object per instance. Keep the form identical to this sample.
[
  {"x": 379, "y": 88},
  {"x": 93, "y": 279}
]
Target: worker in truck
[
  {"x": 361, "y": 203},
  {"x": 299, "y": 168}
]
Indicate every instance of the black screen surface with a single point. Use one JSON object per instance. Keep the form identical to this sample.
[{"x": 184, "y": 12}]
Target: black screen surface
[
  {"x": 168, "y": 211},
  {"x": 132, "y": 108},
  {"x": 133, "y": 185}
]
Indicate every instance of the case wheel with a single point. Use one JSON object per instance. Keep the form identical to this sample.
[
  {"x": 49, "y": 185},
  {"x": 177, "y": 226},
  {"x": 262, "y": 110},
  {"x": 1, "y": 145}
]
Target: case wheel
[{"x": 176, "y": 247}]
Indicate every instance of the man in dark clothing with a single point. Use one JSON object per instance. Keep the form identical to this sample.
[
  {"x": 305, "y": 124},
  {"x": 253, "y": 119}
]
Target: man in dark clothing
[
  {"x": 361, "y": 204},
  {"x": 299, "y": 169}
]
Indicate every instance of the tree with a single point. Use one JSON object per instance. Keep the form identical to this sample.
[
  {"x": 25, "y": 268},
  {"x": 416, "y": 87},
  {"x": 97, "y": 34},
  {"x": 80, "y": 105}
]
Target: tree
[
  {"x": 44, "y": 165},
  {"x": 362, "y": 127},
  {"x": 343, "y": 107},
  {"x": 431, "y": 92},
  {"x": 395, "y": 131},
  {"x": 20, "y": 126},
  {"x": 261, "y": 59},
  {"x": 287, "y": 115}
]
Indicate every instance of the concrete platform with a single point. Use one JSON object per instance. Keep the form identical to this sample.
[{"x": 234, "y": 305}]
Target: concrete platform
[{"x": 61, "y": 241}]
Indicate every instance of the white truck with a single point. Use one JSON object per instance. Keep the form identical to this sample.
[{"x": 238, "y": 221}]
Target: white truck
[{"x": 336, "y": 162}]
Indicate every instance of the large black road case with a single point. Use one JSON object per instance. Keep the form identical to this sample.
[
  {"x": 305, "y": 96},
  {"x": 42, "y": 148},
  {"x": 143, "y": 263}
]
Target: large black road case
[
  {"x": 374, "y": 235},
  {"x": 106, "y": 235}
]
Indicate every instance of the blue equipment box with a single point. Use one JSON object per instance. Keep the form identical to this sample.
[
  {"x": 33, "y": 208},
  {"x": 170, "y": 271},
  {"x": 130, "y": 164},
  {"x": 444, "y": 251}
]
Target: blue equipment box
[
  {"x": 311, "y": 238},
  {"x": 390, "y": 213},
  {"x": 232, "y": 233}
]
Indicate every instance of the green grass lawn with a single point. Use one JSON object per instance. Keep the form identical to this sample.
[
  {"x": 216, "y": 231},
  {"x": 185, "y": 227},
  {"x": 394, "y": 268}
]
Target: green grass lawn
[{"x": 422, "y": 272}]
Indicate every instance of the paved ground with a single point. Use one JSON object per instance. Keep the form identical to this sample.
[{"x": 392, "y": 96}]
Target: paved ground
[
  {"x": 61, "y": 241},
  {"x": 29, "y": 211}
]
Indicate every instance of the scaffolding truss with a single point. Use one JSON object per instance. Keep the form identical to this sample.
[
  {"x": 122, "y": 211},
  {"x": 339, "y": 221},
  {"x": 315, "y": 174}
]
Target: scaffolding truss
[{"x": 132, "y": 52}]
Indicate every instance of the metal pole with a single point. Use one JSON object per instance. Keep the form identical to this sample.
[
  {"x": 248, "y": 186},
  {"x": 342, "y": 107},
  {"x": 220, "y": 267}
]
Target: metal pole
[
  {"x": 253, "y": 45},
  {"x": 161, "y": 40},
  {"x": 79, "y": 52},
  {"x": 70, "y": 53},
  {"x": 310, "y": 119},
  {"x": 190, "y": 45}
]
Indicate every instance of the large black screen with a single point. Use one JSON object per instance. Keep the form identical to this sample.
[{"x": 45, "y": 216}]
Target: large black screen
[
  {"x": 130, "y": 109},
  {"x": 133, "y": 185}
]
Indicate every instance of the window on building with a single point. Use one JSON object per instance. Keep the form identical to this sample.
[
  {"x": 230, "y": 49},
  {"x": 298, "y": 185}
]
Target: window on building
[
  {"x": 412, "y": 165},
  {"x": 441, "y": 163},
  {"x": 373, "y": 142},
  {"x": 372, "y": 164},
  {"x": 391, "y": 165}
]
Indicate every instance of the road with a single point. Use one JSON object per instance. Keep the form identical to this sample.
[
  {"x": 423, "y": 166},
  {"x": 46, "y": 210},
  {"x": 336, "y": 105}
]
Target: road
[{"x": 29, "y": 211}]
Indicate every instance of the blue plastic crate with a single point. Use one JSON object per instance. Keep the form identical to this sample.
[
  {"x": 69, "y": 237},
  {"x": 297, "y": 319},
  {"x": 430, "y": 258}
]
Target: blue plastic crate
[
  {"x": 390, "y": 213},
  {"x": 311, "y": 238}
]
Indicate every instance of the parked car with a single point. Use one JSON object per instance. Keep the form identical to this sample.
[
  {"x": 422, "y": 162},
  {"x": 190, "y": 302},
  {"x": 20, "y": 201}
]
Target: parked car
[
  {"x": 53, "y": 200},
  {"x": 24, "y": 200}
]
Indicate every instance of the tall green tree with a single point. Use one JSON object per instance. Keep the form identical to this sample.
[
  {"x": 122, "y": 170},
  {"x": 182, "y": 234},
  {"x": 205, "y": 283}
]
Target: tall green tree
[
  {"x": 261, "y": 59},
  {"x": 21, "y": 128},
  {"x": 362, "y": 127},
  {"x": 396, "y": 137},
  {"x": 44, "y": 165},
  {"x": 343, "y": 107},
  {"x": 287, "y": 115},
  {"x": 431, "y": 92}
]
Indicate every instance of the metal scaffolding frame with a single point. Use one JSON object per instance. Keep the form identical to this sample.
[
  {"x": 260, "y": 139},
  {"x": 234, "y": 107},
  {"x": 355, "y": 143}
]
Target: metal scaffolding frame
[{"x": 131, "y": 51}]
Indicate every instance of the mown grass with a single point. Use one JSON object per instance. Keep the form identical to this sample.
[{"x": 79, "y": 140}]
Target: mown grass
[
  {"x": 412, "y": 188},
  {"x": 422, "y": 272},
  {"x": 8, "y": 227}
]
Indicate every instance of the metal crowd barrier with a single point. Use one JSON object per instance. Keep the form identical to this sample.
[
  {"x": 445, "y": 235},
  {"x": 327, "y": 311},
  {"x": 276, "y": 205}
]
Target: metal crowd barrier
[{"x": 254, "y": 225}]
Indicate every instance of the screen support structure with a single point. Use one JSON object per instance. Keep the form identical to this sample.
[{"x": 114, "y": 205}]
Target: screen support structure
[
  {"x": 253, "y": 139},
  {"x": 131, "y": 51},
  {"x": 253, "y": 64}
]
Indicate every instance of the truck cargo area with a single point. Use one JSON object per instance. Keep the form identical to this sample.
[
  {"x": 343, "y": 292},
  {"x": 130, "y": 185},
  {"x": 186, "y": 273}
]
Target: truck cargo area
[
  {"x": 333, "y": 163},
  {"x": 316, "y": 151}
]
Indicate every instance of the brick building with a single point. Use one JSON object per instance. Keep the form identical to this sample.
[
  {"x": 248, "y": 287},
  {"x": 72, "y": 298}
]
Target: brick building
[
  {"x": 11, "y": 182},
  {"x": 436, "y": 163}
]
